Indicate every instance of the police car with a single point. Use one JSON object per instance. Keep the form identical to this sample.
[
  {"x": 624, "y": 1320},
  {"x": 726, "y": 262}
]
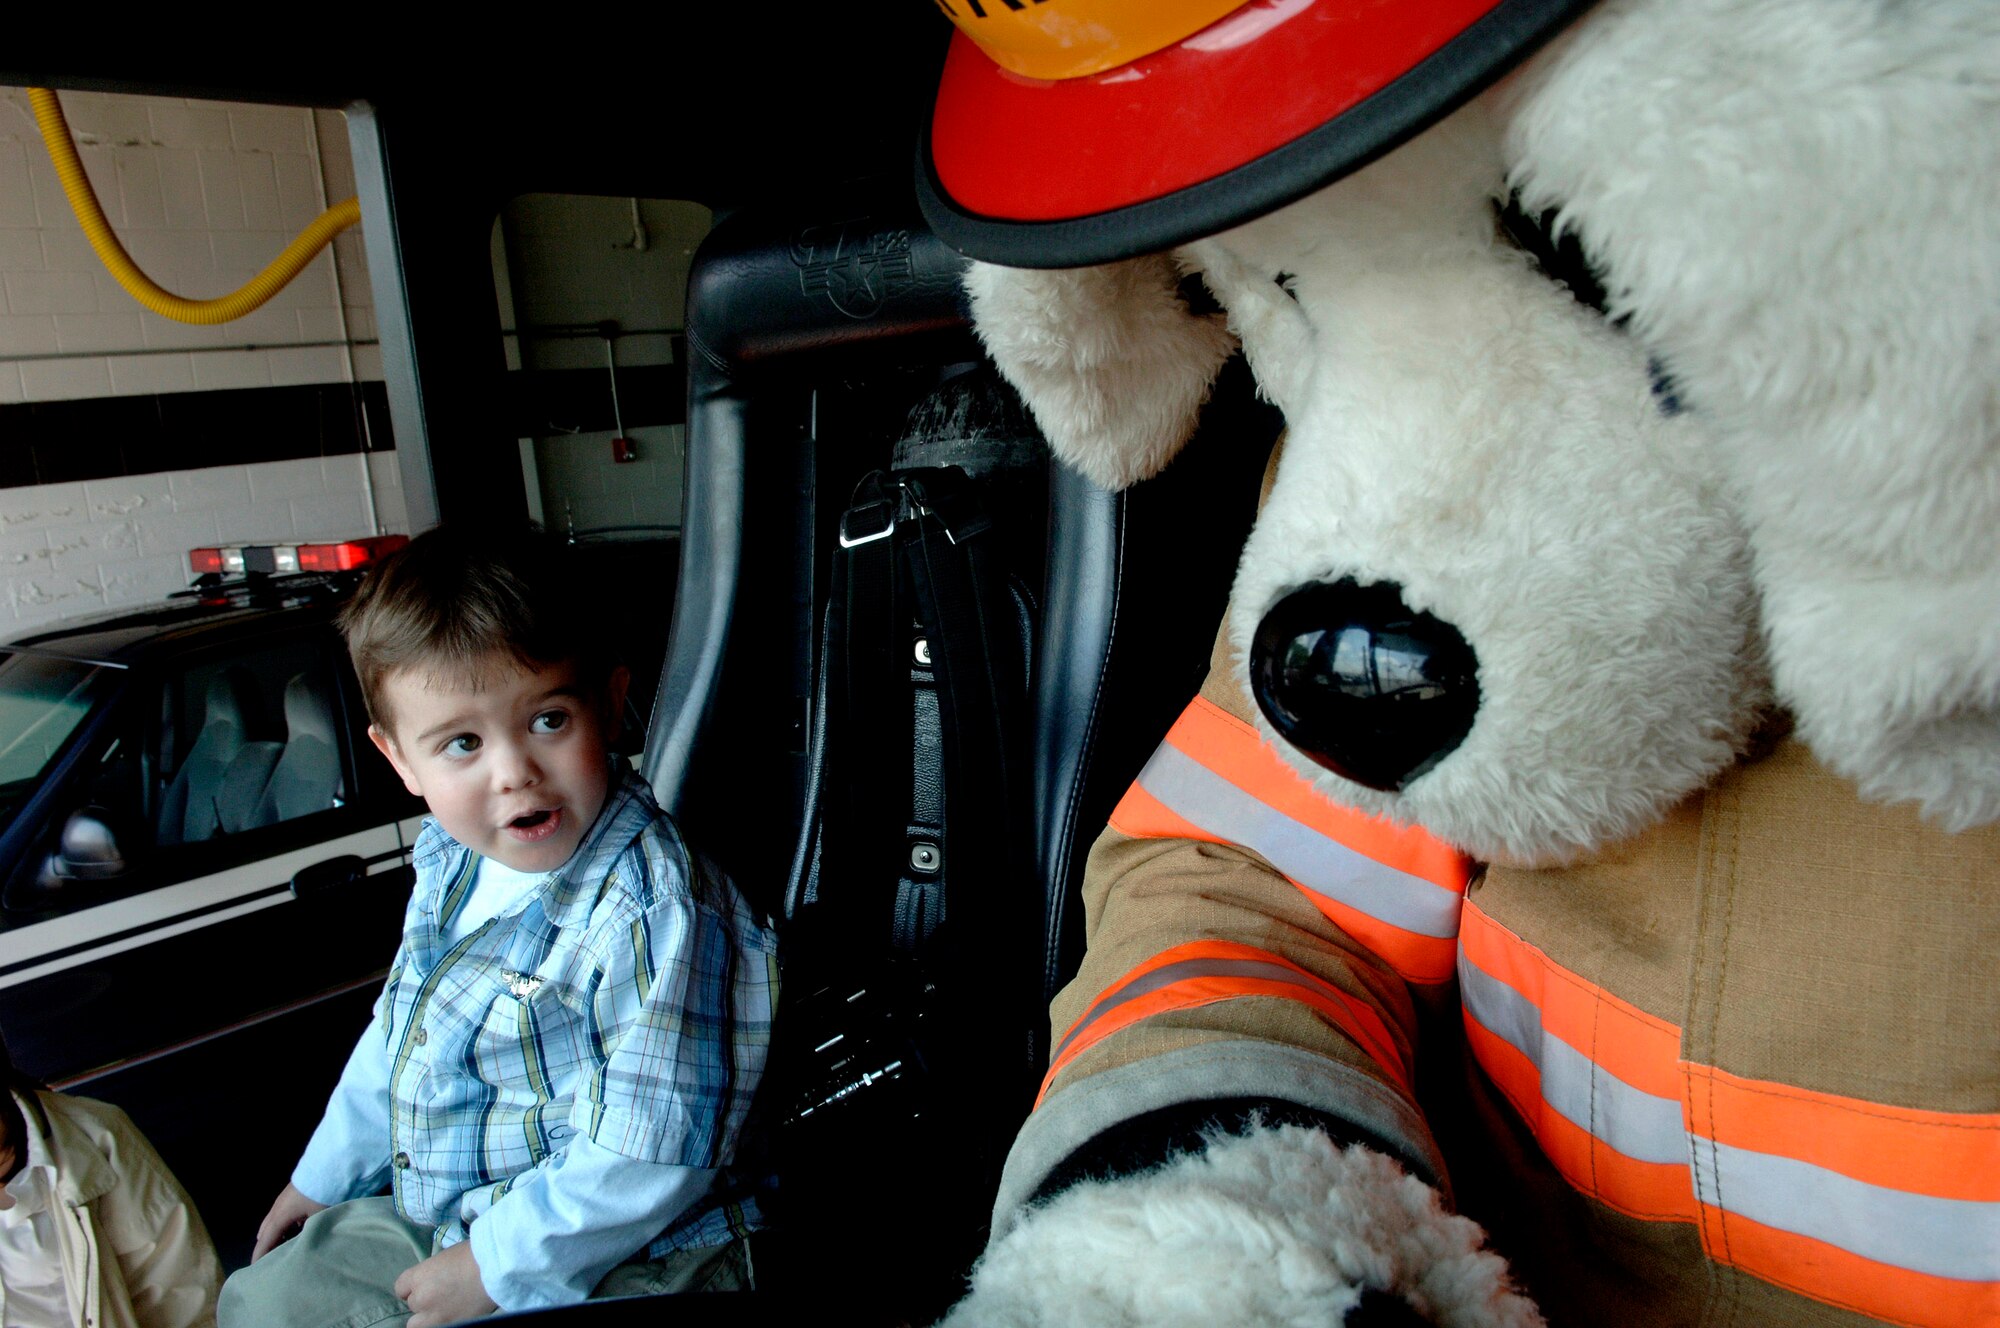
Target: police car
[{"x": 203, "y": 863}]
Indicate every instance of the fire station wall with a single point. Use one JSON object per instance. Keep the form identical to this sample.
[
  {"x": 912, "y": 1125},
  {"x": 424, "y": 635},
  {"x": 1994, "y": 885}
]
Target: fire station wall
[
  {"x": 127, "y": 438},
  {"x": 565, "y": 266}
]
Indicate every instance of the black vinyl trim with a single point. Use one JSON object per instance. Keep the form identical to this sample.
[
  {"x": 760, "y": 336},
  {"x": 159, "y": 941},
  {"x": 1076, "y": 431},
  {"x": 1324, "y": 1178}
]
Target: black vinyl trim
[
  {"x": 1152, "y": 1139},
  {"x": 72, "y": 1082},
  {"x": 1431, "y": 90}
]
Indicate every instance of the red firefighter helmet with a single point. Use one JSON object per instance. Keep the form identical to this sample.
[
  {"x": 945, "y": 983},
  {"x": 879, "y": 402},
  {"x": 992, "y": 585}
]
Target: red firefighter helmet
[{"x": 1080, "y": 131}]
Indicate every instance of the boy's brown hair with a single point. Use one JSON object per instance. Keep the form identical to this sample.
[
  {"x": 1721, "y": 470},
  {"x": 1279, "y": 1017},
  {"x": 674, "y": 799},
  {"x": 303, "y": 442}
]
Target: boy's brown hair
[{"x": 455, "y": 596}]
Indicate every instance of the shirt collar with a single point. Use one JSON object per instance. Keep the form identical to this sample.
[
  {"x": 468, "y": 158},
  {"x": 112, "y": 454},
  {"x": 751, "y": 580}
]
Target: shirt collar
[
  {"x": 570, "y": 891},
  {"x": 83, "y": 1173}
]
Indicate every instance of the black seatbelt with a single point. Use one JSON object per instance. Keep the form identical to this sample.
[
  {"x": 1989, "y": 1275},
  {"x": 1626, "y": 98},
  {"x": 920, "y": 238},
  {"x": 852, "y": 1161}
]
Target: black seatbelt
[
  {"x": 974, "y": 644},
  {"x": 869, "y": 725},
  {"x": 917, "y": 599},
  {"x": 917, "y": 842},
  {"x": 901, "y": 1062}
]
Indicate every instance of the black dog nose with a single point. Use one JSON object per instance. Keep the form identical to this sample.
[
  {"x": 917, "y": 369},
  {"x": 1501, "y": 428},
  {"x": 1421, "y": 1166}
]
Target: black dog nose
[{"x": 1361, "y": 684}]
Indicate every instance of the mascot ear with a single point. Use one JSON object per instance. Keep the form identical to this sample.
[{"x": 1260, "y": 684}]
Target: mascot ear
[
  {"x": 1109, "y": 359},
  {"x": 1835, "y": 316}
]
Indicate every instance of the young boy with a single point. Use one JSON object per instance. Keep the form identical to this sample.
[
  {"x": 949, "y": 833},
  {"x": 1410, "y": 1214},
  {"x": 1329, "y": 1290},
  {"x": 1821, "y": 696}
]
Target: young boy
[
  {"x": 94, "y": 1230},
  {"x": 562, "y": 1059}
]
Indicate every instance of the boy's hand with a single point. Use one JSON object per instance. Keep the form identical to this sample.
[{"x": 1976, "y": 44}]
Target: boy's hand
[
  {"x": 287, "y": 1215},
  {"x": 445, "y": 1288}
]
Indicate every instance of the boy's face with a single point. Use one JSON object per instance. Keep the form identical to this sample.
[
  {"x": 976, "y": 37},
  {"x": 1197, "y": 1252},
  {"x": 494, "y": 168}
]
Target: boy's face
[{"x": 513, "y": 761}]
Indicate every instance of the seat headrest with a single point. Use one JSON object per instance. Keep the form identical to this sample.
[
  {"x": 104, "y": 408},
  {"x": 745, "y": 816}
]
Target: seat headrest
[
  {"x": 308, "y": 713},
  {"x": 848, "y": 284},
  {"x": 232, "y": 698}
]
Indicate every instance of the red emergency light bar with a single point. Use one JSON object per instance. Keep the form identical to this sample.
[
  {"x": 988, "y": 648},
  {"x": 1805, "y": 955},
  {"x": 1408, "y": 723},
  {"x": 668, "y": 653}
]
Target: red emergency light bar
[{"x": 278, "y": 559}]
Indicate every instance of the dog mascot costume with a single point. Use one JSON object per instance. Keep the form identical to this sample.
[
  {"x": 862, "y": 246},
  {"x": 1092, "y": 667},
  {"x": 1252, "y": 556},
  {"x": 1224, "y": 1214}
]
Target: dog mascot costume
[{"x": 1588, "y": 822}]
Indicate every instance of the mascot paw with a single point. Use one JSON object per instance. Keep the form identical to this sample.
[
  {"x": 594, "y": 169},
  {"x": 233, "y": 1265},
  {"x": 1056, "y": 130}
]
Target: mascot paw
[{"x": 1278, "y": 1227}]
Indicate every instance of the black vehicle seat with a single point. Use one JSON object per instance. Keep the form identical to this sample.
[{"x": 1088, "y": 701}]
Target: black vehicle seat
[
  {"x": 808, "y": 335},
  {"x": 306, "y": 778},
  {"x": 785, "y": 309},
  {"x": 188, "y": 810},
  {"x": 1137, "y": 584}
]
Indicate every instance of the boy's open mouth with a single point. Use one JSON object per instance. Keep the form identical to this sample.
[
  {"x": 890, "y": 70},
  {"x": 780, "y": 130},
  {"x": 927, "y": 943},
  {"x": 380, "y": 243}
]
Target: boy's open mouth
[{"x": 535, "y": 825}]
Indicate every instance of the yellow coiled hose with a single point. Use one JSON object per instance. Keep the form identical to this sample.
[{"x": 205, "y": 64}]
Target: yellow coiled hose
[{"x": 83, "y": 201}]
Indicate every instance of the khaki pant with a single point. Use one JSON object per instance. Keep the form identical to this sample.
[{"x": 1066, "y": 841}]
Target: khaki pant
[{"x": 339, "y": 1271}]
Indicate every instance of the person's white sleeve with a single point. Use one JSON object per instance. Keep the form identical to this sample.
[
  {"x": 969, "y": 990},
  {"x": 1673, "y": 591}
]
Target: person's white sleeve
[
  {"x": 348, "y": 1155},
  {"x": 564, "y": 1225}
]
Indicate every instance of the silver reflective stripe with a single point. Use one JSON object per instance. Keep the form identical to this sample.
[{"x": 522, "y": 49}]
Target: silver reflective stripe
[
  {"x": 1641, "y": 1125},
  {"x": 1319, "y": 863},
  {"x": 1166, "y": 976},
  {"x": 1957, "y": 1238},
  {"x": 171, "y": 910}
]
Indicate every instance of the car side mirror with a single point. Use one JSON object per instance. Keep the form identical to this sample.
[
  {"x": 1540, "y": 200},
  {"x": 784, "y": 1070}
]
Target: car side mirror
[{"x": 89, "y": 851}]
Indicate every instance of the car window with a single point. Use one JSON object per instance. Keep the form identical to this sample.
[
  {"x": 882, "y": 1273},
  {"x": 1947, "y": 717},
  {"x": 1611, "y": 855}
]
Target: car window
[
  {"x": 249, "y": 739},
  {"x": 42, "y": 700}
]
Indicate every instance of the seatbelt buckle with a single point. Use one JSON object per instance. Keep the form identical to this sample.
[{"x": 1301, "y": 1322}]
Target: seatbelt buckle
[
  {"x": 865, "y": 523},
  {"x": 955, "y": 507}
]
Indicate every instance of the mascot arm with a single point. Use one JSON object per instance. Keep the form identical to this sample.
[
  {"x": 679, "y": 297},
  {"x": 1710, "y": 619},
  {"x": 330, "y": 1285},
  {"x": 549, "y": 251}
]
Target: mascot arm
[{"x": 1227, "y": 1133}]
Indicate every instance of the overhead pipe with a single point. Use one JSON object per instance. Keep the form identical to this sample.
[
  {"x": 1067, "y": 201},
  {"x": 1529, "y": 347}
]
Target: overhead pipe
[{"x": 90, "y": 214}]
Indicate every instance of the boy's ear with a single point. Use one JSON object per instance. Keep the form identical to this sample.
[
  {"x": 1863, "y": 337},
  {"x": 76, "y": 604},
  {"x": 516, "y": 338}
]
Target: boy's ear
[{"x": 386, "y": 745}]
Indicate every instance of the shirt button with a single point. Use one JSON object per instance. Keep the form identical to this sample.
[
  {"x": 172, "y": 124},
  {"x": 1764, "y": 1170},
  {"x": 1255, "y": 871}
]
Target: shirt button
[
  {"x": 423, "y": 1036},
  {"x": 401, "y": 1161}
]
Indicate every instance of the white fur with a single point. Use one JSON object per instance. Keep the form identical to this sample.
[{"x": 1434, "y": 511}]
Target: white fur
[
  {"x": 1798, "y": 203},
  {"x": 1462, "y": 428},
  {"x": 1801, "y": 219},
  {"x": 1276, "y": 1228},
  {"x": 1797, "y": 207},
  {"x": 1108, "y": 358}
]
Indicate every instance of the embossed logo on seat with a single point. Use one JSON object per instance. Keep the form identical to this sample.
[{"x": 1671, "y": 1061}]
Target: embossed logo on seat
[{"x": 854, "y": 264}]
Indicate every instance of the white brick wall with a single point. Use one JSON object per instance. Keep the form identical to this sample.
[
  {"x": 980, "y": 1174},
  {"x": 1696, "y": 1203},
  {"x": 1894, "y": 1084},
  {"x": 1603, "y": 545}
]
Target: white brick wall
[
  {"x": 582, "y": 487},
  {"x": 203, "y": 195},
  {"x": 67, "y": 549},
  {"x": 563, "y": 258}
]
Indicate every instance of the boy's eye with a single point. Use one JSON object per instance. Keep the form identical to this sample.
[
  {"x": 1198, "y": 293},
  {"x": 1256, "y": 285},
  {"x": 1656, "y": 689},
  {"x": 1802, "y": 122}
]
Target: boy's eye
[
  {"x": 549, "y": 721},
  {"x": 465, "y": 744}
]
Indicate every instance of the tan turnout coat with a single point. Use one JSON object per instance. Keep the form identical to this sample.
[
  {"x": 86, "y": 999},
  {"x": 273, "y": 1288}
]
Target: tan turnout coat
[{"x": 1744, "y": 1069}]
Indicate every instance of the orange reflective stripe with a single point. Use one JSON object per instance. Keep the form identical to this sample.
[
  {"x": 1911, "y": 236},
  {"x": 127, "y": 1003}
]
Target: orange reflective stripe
[
  {"x": 1596, "y": 1078},
  {"x": 1949, "y": 1155},
  {"x": 1889, "y": 1210},
  {"x": 1140, "y": 815},
  {"x": 1203, "y": 973},
  {"x": 1655, "y": 1191},
  {"x": 1642, "y": 1050},
  {"x": 1829, "y": 1274},
  {"x": 1395, "y": 891},
  {"x": 1417, "y": 958},
  {"x": 1237, "y": 752}
]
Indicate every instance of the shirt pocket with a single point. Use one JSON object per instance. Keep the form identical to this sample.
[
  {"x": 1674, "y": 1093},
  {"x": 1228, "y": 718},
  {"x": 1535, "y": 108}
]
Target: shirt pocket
[{"x": 534, "y": 1041}]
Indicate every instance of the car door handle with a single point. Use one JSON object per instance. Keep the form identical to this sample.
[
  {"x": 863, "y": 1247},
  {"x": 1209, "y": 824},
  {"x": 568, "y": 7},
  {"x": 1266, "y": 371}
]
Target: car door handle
[{"x": 329, "y": 875}]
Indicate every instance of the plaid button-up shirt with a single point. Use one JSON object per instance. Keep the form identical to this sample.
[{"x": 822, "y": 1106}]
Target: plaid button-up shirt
[{"x": 628, "y": 999}]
